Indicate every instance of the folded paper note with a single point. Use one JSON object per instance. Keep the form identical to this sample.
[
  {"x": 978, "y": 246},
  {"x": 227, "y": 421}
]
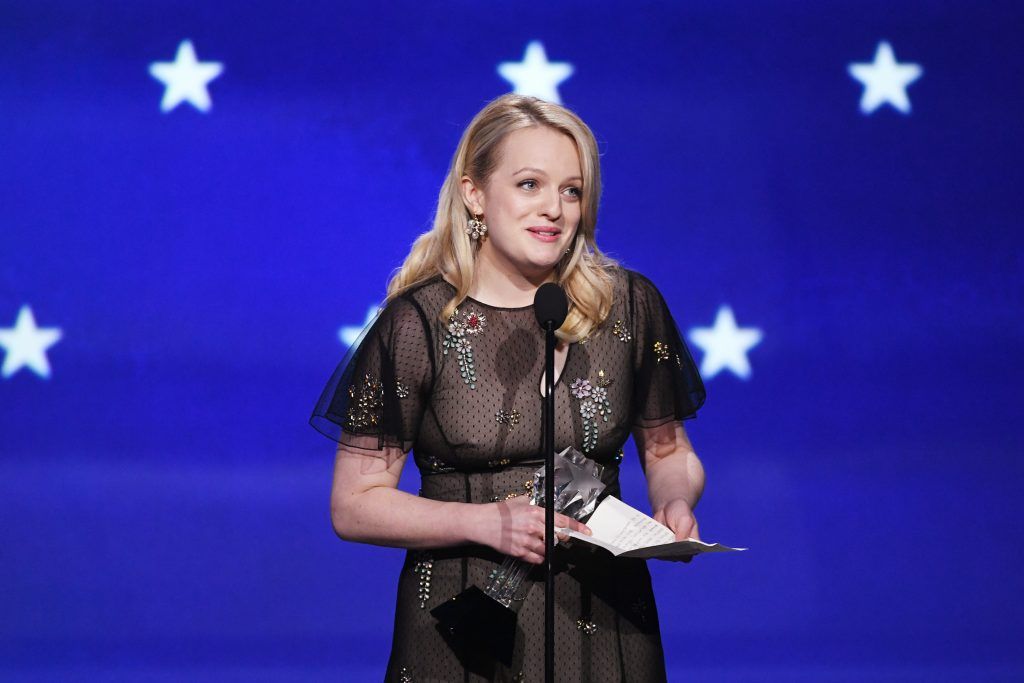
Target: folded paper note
[{"x": 627, "y": 532}]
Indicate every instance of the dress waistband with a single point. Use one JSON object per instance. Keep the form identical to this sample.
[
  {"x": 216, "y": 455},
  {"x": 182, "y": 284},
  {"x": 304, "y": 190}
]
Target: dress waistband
[{"x": 492, "y": 486}]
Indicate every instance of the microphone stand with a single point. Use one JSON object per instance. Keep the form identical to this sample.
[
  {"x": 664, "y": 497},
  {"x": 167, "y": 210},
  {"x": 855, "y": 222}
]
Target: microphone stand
[{"x": 548, "y": 429}]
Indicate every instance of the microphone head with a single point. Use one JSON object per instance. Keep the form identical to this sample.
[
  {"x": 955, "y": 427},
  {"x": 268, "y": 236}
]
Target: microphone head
[{"x": 550, "y": 305}]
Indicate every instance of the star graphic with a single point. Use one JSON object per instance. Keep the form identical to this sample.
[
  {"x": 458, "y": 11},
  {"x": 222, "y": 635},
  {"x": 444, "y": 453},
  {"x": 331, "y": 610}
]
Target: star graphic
[
  {"x": 725, "y": 345},
  {"x": 25, "y": 345},
  {"x": 185, "y": 79},
  {"x": 348, "y": 334},
  {"x": 535, "y": 75},
  {"x": 885, "y": 80}
]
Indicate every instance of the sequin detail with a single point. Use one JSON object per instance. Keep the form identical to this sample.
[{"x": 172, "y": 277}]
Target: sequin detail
[
  {"x": 405, "y": 675},
  {"x": 423, "y": 568},
  {"x": 459, "y": 325},
  {"x": 401, "y": 389},
  {"x": 587, "y": 626},
  {"x": 509, "y": 418},
  {"x": 594, "y": 404},
  {"x": 527, "y": 488},
  {"x": 621, "y": 330},
  {"x": 661, "y": 351},
  {"x": 367, "y": 403},
  {"x": 434, "y": 464}
]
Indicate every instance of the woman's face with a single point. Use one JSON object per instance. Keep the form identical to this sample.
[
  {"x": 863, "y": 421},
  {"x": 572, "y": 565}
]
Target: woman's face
[{"x": 531, "y": 203}]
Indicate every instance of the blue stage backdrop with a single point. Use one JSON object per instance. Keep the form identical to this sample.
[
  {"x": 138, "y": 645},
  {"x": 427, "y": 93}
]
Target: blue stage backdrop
[{"x": 200, "y": 204}]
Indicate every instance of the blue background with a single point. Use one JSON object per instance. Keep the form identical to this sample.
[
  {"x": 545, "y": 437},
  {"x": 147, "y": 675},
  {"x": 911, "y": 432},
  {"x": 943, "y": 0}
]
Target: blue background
[{"x": 164, "y": 509}]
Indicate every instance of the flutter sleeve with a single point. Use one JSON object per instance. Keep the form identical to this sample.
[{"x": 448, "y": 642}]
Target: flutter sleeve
[
  {"x": 378, "y": 393},
  {"x": 667, "y": 385}
]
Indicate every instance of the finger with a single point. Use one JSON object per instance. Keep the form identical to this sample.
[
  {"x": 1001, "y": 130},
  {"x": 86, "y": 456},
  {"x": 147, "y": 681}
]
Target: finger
[
  {"x": 570, "y": 523},
  {"x": 684, "y": 528},
  {"x": 533, "y": 558}
]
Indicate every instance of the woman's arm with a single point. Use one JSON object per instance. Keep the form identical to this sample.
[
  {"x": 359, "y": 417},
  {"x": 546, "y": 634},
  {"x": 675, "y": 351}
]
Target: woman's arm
[
  {"x": 367, "y": 506},
  {"x": 675, "y": 476}
]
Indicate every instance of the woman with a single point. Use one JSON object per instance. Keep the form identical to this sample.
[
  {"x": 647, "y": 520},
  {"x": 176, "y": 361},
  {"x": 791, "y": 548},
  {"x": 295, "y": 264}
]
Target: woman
[{"x": 452, "y": 369}]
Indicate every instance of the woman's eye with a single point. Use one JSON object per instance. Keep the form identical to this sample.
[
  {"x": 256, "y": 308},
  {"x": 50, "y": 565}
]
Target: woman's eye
[
  {"x": 531, "y": 183},
  {"x": 576, "y": 192}
]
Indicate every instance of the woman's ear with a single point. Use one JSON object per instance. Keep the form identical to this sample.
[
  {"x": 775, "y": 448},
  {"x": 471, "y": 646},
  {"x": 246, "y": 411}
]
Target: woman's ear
[{"x": 472, "y": 196}]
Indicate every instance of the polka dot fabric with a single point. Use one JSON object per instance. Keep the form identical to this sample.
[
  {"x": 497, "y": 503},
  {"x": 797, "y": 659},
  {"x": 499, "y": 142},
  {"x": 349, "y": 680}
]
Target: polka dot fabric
[{"x": 465, "y": 395}]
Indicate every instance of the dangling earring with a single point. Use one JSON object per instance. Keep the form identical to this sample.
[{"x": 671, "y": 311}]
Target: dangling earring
[{"x": 476, "y": 228}]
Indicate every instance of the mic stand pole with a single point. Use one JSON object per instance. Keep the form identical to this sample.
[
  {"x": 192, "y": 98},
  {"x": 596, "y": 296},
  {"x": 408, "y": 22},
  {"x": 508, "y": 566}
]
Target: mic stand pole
[{"x": 548, "y": 428}]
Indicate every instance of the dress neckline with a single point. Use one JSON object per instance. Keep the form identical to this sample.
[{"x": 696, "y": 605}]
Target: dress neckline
[
  {"x": 499, "y": 308},
  {"x": 512, "y": 309}
]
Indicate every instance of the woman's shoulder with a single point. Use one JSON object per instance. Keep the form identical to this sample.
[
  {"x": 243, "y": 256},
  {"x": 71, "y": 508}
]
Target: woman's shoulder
[
  {"x": 631, "y": 285},
  {"x": 425, "y": 299}
]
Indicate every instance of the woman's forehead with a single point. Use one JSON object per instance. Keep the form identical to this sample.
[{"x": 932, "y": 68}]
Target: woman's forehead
[{"x": 540, "y": 149}]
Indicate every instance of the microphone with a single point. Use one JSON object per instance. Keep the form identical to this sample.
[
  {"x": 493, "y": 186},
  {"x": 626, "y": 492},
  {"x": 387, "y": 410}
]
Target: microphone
[{"x": 550, "y": 305}]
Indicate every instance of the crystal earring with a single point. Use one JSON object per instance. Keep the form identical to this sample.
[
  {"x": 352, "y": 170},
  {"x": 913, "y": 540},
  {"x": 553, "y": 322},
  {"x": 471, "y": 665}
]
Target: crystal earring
[{"x": 476, "y": 228}]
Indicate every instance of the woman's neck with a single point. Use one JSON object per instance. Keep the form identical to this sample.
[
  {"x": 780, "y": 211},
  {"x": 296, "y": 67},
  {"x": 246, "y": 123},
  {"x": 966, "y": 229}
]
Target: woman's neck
[{"x": 501, "y": 284}]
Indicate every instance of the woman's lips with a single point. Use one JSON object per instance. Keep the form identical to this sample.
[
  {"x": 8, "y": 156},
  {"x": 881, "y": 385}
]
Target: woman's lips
[{"x": 545, "y": 234}]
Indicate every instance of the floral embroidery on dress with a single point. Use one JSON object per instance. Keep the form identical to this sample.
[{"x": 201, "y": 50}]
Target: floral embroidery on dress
[
  {"x": 661, "y": 351},
  {"x": 587, "y": 626},
  {"x": 621, "y": 330},
  {"x": 509, "y": 418},
  {"x": 455, "y": 338},
  {"x": 401, "y": 389},
  {"x": 367, "y": 402},
  {"x": 580, "y": 388},
  {"x": 435, "y": 464},
  {"x": 593, "y": 404}
]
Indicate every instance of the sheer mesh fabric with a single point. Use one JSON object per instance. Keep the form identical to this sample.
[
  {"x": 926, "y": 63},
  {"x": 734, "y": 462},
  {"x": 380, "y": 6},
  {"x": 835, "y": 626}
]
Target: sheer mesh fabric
[
  {"x": 402, "y": 383},
  {"x": 465, "y": 396}
]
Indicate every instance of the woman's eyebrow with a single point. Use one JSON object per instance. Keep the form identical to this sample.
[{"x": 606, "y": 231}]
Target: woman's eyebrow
[{"x": 540, "y": 172}]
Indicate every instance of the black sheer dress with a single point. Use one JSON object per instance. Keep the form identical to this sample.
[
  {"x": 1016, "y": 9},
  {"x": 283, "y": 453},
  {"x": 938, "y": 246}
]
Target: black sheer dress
[{"x": 465, "y": 396}]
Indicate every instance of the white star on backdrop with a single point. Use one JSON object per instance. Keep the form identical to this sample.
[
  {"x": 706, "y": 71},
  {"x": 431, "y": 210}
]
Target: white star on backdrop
[
  {"x": 885, "y": 80},
  {"x": 348, "y": 334},
  {"x": 185, "y": 79},
  {"x": 25, "y": 344},
  {"x": 535, "y": 75},
  {"x": 725, "y": 345}
]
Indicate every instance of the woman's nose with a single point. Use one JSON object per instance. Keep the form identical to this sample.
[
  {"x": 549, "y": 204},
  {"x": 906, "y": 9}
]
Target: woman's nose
[{"x": 552, "y": 208}]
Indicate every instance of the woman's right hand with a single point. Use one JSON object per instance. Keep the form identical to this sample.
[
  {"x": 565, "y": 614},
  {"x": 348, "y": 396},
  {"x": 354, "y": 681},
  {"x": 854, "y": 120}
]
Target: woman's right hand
[{"x": 516, "y": 528}]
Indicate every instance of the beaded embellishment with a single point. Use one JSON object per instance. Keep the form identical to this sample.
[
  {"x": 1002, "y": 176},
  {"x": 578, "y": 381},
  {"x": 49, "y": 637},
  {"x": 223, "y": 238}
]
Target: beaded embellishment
[
  {"x": 367, "y": 402},
  {"x": 587, "y": 626},
  {"x": 621, "y": 330},
  {"x": 434, "y": 464},
  {"x": 661, "y": 351},
  {"x": 401, "y": 389},
  {"x": 405, "y": 675},
  {"x": 509, "y": 418},
  {"x": 460, "y": 325},
  {"x": 593, "y": 405},
  {"x": 423, "y": 567}
]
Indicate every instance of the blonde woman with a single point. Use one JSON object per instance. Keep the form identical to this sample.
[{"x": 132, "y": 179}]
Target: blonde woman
[{"x": 452, "y": 370}]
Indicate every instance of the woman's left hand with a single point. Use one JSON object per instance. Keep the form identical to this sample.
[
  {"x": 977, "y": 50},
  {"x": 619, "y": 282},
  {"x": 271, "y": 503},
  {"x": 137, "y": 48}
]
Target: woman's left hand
[{"x": 678, "y": 517}]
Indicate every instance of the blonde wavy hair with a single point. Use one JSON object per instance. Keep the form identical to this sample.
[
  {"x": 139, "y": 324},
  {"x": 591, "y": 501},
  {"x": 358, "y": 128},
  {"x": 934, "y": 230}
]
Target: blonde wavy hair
[{"x": 446, "y": 249}]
